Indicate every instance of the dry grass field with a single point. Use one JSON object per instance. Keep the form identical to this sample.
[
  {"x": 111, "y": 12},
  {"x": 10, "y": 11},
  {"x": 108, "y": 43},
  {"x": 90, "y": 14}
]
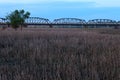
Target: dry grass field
[{"x": 60, "y": 54}]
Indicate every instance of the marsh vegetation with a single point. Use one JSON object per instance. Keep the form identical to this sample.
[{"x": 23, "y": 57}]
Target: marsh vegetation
[{"x": 60, "y": 54}]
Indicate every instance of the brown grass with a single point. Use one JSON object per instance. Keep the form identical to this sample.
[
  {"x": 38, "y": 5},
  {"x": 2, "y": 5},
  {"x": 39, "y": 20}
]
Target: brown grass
[{"x": 59, "y": 54}]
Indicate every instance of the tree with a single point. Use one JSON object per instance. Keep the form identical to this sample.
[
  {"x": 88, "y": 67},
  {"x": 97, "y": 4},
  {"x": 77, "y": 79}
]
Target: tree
[{"x": 17, "y": 18}]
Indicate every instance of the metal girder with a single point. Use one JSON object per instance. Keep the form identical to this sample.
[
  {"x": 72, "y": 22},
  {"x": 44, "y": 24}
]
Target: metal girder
[
  {"x": 37, "y": 20},
  {"x": 101, "y": 21},
  {"x": 69, "y": 21}
]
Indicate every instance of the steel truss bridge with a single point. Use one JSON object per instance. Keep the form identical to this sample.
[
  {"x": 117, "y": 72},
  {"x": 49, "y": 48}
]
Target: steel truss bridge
[{"x": 67, "y": 21}]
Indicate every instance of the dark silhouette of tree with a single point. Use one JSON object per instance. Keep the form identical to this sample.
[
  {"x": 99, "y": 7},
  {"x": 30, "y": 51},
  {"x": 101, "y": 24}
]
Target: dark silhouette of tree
[{"x": 17, "y": 18}]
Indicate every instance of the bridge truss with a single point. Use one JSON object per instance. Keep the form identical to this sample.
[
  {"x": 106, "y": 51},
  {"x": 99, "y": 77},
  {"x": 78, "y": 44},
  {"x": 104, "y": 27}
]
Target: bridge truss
[
  {"x": 3, "y": 20},
  {"x": 66, "y": 21},
  {"x": 69, "y": 21},
  {"x": 102, "y": 21},
  {"x": 37, "y": 20}
]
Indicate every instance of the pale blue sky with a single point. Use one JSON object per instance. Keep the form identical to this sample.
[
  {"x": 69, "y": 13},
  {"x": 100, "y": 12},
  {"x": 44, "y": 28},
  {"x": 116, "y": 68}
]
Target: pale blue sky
[{"x": 52, "y": 9}]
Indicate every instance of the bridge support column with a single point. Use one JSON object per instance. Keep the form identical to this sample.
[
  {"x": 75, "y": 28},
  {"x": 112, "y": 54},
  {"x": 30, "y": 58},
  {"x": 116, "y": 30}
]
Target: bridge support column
[
  {"x": 85, "y": 26},
  {"x": 108, "y": 26},
  {"x": 95, "y": 26},
  {"x": 82, "y": 26},
  {"x": 51, "y": 26}
]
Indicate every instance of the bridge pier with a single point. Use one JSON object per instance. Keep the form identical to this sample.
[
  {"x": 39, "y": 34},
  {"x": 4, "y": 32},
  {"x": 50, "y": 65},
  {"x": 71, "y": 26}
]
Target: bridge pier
[
  {"x": 107, "y": 26},
  {"x": 51, "y": 26},
  {"x": 82, "y": 26},
  {"x": 95, "y": 26}
]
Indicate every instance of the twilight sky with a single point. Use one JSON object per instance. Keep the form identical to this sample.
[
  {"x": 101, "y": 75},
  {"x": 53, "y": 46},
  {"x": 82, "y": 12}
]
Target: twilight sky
[{"x": 52, "y": 9}]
